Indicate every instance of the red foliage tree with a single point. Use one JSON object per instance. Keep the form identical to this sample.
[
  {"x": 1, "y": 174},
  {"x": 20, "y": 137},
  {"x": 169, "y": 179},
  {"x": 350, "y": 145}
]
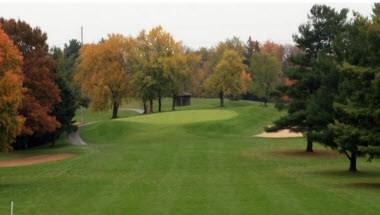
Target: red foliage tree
[{"x": 42, "y": 93}]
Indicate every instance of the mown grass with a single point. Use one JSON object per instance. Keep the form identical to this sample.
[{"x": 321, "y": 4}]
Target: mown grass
[
  {"x": 208, "y": 167},
  {"x": 183, "y": 117}
]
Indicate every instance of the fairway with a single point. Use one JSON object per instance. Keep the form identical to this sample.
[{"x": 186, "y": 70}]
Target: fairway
[
  {"x": 190, "y": 162},
  {"x": 235, "y": 108},
  {"x": 183, "y": 117}
]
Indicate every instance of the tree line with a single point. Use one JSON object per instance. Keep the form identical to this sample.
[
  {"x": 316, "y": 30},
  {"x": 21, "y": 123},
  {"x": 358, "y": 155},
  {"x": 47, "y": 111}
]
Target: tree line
[
  {"x": 328, "y": 82},
  {"x": 37, "y": 102},
  {"x": 41, "y": 88},
  {"x": 153, "y": 65}
]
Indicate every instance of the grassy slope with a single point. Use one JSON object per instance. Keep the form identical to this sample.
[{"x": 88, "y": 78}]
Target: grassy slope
[{"x": 211, "y": 167}]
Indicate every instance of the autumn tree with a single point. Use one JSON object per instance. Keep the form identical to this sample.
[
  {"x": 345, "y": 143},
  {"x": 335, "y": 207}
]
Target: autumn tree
[
  {"x": 246, "y": 83},
  {"x": 266, "y": 75},
  {"x": 177, "y": 72},
  {"x": 234, "y": 44},
  {"x": 273, "y": 49},
  {"x": 194, "y": 73},
  {"x": 206, "y": 64},
  {"x": 143, "y": 80},
  {"x": 160, "y": 45},
  {"x": 104, "y": 72},
  {"x": 225, "y": 80},
  {"x": 42, "y": 93},
  {"x": 10, "y": 92}
]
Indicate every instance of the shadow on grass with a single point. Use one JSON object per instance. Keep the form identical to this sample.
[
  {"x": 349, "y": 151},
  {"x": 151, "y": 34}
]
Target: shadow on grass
[
  {"x": 364, "y": 185},
  {"x": 302, "y": 153},
  {"x": 347, "y": 174}
]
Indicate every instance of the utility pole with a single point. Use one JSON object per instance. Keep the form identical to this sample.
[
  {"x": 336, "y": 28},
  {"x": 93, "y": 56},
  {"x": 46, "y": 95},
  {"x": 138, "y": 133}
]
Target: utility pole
[{"x": 81, "y": 43}]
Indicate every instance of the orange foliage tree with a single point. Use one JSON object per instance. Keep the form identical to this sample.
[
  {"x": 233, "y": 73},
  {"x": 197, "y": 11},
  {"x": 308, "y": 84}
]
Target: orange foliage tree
[
  {"x": 245, "y": 82},
  {"x": 42, "y": 93},
  {"x": 273, "y": 49},
  {"x": 10, "y": 92}
]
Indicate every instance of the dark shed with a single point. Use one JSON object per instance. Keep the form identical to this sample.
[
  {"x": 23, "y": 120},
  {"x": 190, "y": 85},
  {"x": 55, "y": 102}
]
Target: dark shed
[{"x": 183, "y": 99}]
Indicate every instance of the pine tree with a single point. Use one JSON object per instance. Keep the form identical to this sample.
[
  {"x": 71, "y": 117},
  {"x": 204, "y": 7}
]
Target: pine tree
[
  {"x": 356, "y": 129},
  {"x": 314, "y": 74},
  {"x": 69, "y": 91}
]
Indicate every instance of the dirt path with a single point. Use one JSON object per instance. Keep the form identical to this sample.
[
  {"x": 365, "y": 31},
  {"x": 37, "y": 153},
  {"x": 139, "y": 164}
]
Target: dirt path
[
  {"x": 74, "y": 137},
  {"x": 138, "y": 110},
  {"x": 35, "y": 160}
]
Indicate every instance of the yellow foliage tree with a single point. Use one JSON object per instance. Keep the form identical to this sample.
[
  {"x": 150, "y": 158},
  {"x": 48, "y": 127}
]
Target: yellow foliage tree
[
  {"x": 104, "y": 70},
  {"x": 226, "y": 79},
  {"x": 155, "y": 47}
]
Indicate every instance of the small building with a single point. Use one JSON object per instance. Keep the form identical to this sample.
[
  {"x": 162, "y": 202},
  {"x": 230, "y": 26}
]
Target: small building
[{"x": 183, "y": 99}]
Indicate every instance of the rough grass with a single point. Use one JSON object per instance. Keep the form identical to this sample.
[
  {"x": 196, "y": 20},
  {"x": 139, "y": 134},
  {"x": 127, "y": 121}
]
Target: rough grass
[{"x": 209, "y": 167}]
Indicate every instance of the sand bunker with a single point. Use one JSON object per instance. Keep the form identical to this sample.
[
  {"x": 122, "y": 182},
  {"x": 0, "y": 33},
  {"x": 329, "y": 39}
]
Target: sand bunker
[
  {"x": 285, "y": 133},
  {"x": 35, "y": 160}
]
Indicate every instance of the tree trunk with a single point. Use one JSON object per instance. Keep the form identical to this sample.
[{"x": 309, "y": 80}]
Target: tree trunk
[
  {"x": 173, "y": 102},
  {"x": 309, "y": 146},
  {"x": 353, "y": 162},
  {"x": 159, "y": 102},
  {"x": 221, "y": 95},
  {"x": 115, "y": 108},
  {"x": 265, "y": 102},
  {"x": 151, "y": 105},
  {"x": 145, "y": 108}
]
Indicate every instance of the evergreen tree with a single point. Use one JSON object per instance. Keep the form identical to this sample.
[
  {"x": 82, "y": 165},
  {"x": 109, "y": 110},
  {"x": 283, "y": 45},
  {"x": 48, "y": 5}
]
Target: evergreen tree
[
  {"x": 356, "y": 129},
  {"x": 314, "y": 74},
  {"x": 251, "y": 47},
  {"x": 69, "y": 91}
]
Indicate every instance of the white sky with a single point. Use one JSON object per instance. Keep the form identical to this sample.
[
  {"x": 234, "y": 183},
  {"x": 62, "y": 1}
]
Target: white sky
[{"x": 195, "y": 24}]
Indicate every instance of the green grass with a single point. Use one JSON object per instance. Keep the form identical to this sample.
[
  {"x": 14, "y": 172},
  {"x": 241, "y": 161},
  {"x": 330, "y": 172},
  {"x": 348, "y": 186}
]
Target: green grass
[
  {"x": 90, "y": 115},
  {"x": 207, "y": 167},
  {"x": 183, "y": 117}
]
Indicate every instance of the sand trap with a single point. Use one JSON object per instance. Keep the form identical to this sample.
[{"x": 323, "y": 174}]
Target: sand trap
[
  {"x": 35, "y": 160},
  {"x": 285, "y": 133}
]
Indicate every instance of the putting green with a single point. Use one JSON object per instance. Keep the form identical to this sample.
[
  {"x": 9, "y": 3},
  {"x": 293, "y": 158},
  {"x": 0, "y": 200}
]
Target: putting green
[{"x": 183, "y": 117}]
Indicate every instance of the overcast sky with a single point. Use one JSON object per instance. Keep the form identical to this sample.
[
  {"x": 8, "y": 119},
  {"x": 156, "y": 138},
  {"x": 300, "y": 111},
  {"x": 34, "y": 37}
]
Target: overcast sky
[{"x": 194, "y": 24}]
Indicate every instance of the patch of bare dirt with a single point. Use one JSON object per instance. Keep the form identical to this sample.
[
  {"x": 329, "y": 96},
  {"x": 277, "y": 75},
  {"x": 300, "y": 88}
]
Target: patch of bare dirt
[
  {"x": 303, "y": 153},
  {"x": 37, "y": 159},
  {"x": 284, "y": 133}
]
